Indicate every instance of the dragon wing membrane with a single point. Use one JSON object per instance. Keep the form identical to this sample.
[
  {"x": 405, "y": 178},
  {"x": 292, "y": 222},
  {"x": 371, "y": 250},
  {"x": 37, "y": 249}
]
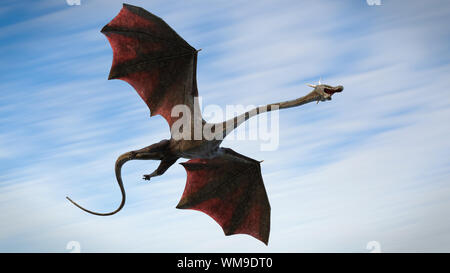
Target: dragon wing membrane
[
  {"x": 154, "y": 59},
  {"x": 230, "y": 189}
]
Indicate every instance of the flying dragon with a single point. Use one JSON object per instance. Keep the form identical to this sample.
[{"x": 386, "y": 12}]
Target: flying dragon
[{"x": 161, "y": 66}]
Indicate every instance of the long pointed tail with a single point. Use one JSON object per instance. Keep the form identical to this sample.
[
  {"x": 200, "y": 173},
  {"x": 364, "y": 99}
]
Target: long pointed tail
[{"x": 118, "y": 169}]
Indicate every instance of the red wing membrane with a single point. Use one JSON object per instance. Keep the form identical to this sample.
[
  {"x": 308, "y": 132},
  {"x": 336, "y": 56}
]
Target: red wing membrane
[
  {"x": 230, "y": 189},
  {"x": 154, "y": 59}
]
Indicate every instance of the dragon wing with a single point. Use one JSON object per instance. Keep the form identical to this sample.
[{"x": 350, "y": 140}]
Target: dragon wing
[
  {"x": 230, "y": 189},
  {"x": 154, "y": 59}
]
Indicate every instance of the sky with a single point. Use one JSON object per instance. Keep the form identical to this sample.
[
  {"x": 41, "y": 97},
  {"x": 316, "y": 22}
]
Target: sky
[{"x": 370, "y": 165}]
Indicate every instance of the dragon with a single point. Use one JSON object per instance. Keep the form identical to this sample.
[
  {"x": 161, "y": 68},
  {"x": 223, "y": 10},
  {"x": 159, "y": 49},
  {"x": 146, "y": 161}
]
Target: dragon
[{"x": 161, "y": 67}]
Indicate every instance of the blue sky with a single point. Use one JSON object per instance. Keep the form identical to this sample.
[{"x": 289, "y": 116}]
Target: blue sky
[{"x": 371, "y": 165}]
